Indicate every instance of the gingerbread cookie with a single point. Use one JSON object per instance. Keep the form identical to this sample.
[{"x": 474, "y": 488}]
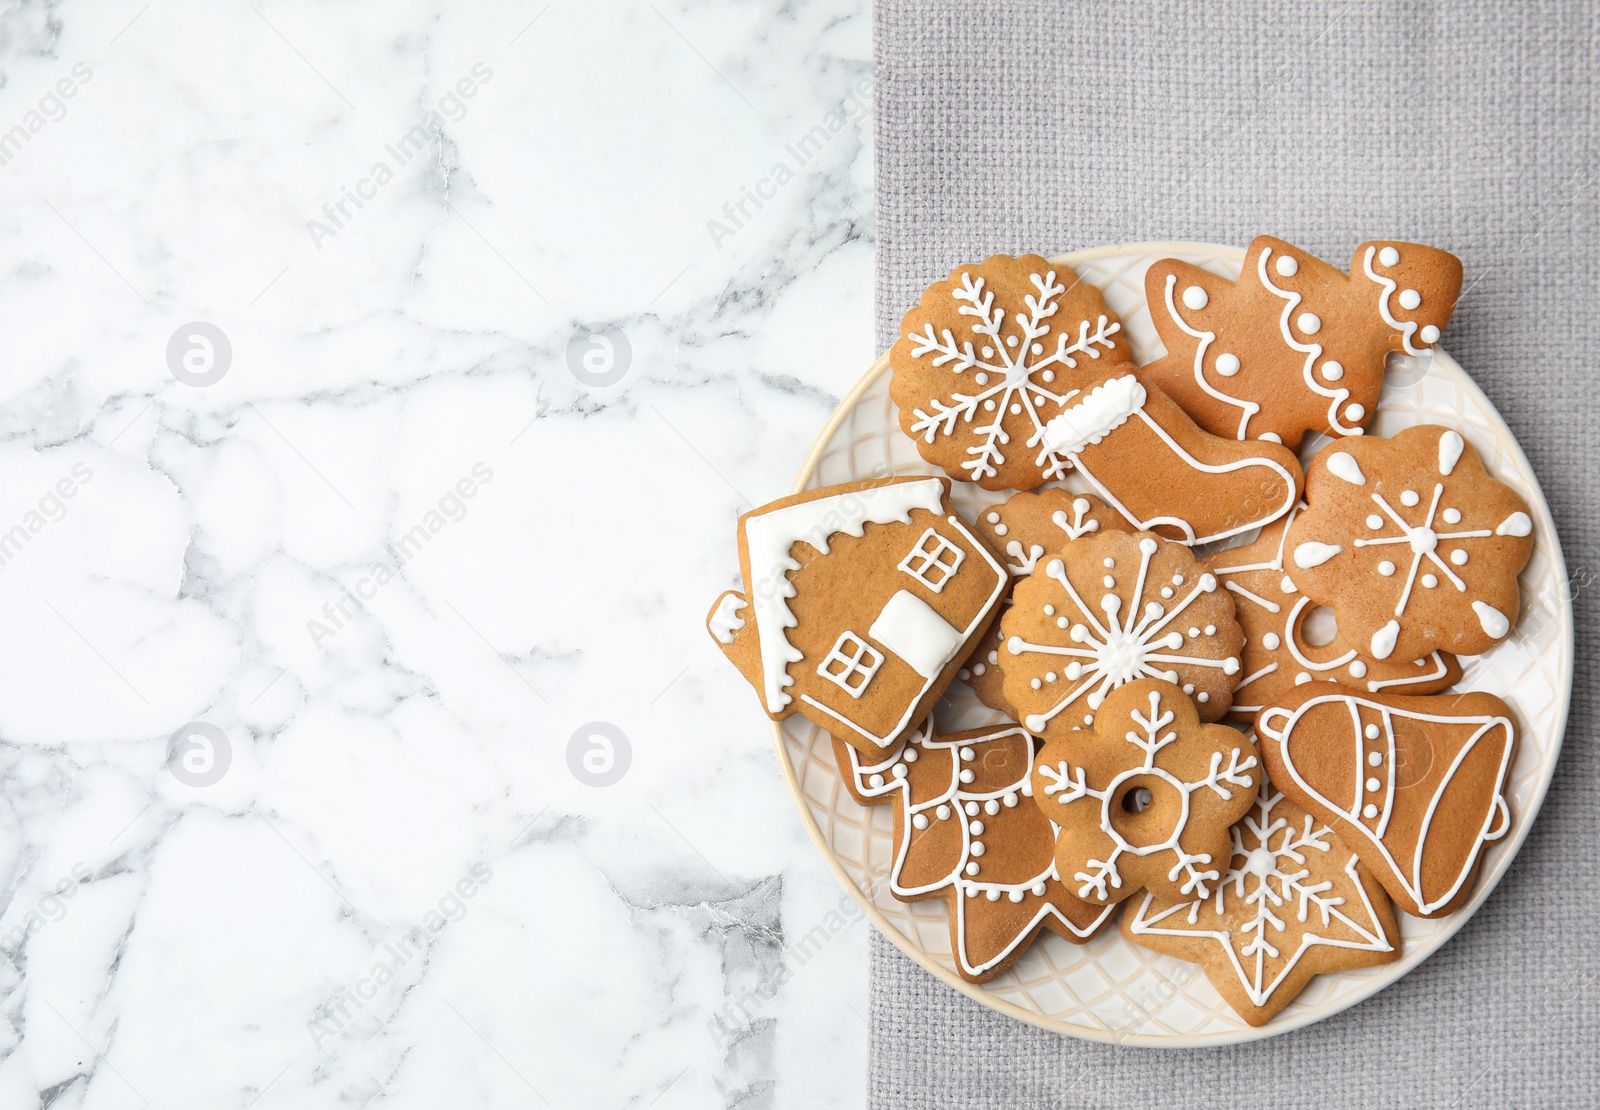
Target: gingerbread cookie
[
  {"x": 1014, "y": 371},
  {"x": 1021, "y": 530},
  {"x": 1294, "y": 345},
  {"x": 1145, "y": 798},
  {"x": 1415, "y": 785},
  {"x": 1294, "y": 902},
  {"x": 860, "y": 602},
  {"x": 1412, "y": 543},
  {"x": 1277, "y": 656},
  {"x": 1111, "y": 608},
  {"x": 965, "y": 832}
]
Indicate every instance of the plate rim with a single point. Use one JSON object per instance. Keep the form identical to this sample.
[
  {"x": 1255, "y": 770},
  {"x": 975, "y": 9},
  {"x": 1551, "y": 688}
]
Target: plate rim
[{"x": 1402, "y": 967}]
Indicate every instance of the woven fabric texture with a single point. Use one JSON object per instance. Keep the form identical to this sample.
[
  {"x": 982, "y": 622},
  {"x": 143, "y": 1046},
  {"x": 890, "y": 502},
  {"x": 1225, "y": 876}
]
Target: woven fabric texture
[{"x": 1049, "y": 127}]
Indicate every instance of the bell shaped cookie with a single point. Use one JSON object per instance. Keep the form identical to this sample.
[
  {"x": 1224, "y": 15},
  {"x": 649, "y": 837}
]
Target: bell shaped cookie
[
  {"x": 1414, "y": 785},
  {"x": 860, "y": 602}
]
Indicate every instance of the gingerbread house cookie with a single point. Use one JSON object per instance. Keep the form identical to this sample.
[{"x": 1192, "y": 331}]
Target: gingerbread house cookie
[
  {"x": 860, "y": 601},
  {"x": 1295, "y": 345}
]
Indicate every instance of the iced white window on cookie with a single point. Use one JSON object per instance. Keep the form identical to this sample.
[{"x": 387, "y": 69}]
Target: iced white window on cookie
[
  {"x": 851, "y": 664},
  {"x": 933, "y": 561}
]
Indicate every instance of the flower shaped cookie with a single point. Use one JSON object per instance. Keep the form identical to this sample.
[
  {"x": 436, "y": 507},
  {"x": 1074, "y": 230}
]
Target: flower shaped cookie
[
  {"x": 1295, "y": 902},
  {"x": 966, "y": 833},
  {"x": 1146, "y": 797},
  {"x": 1111, "y": 608},
  {"x": 1412, "y": 543}
]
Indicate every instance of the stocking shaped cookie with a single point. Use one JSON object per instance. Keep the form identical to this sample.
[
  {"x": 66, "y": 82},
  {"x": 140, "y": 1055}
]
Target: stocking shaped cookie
[
  {"x": 1295, "y": 345},
  {"x": 1294, "y": 902},
  {"x": 1277, "y": 656},
  {"x": 965, "y": 832},
  {"x": 1145, "y": 798},
  {"x": 1412, "y": 543},
  {"x": 860, "y": 602},
  {"x": 1414, "y": 785},
  {"x": 1025, "y": 527},
  {"x": 1112, "y": 608},
  {"x": 1014, "y": 371}
]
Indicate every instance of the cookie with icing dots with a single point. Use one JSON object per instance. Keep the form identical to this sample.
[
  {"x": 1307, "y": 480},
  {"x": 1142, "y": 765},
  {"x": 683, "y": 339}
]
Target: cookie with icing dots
[
  {"x": 1277, "y": 653},
  {"x": 1014, "y": 371},
  {"x": 1293, "y": 903},
  {"x": 1145, "y": 798},
  {"x": 860, "y": 603},
  {"x": 1295, "y": 345},
  {"x": 966, "y": 833},
  {"x": 1111, "y": 608},
  {"x": 1414, "y": 785},
  {"x": 1414, "y": 545},
  {"x": 1021, "y": 530}
]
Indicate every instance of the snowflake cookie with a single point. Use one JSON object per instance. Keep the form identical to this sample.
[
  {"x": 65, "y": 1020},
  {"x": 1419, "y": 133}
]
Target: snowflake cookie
[
  {"x": 1014, "y": 371},
  {"x": 860, "y": 602},
  {"x": 1414, "y": 785},
  {"x": 1111, "y": 608},
  {"x": 1278, "y": 655},
  {"x": 1295, "y": 902},
  {"x": 965, "y": 832},
  {"x": 1021, "y": 530},
  {"x": 1145, "y": 798},
  {"x": 1295, "y": 345},
  {"x": 1412, "y": 543}
]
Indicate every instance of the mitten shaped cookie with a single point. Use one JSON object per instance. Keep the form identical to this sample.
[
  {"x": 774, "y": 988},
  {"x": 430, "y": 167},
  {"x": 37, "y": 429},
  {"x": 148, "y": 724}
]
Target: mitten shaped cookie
[
  {"x": 1414, "y": 785},
  {"x": 1025, "y": 527},
  {"x": 1413, "y": 544},
  {"x": 1112, "y": 608},
  {"x": 1277, "y": 655},
  {"x": 965, "y": 832},
  {"x": 1145, "y": 798},
  {"x": 1295, "y": 345},
  {"x": 1294, "y": 903},
  {"x": 860, "y": 602},
  {"x": 1014, "y": 371}
]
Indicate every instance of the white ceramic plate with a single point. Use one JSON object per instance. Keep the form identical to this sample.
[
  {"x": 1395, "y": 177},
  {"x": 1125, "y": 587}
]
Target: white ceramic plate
[{"x": 1108, "y": 989}]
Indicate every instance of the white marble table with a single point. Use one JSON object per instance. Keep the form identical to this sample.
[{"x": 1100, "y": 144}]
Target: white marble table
[{"x": 327, "y": 534}]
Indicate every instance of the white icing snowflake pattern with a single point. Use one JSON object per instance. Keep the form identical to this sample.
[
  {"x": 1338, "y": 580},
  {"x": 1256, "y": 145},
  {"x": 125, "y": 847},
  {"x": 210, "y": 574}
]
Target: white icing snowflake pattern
[
  {"x": 1069, "y": 784},
  {"x": 1022, "y": 365},
  {"x": 1121, "y": 647},
  {"x": 1276, "y": 873},
  {"x": 1077, "y": 526}
]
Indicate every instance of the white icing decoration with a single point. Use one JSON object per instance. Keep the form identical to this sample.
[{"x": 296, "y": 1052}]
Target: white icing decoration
[
  {"x": 1272, "y": 884},
  {"x": 1517, "y": 524},
  {"x": 1195, "y": 298},
  {"x": 1287, "y": 266},
  {"x": 1410, "y": 498},
  {"x": 1016, "y": 372},
  {"x": 1386, "y": 568},
  {"x": 1313, "y": 554},
  {"x": 1383, "y": 640},
  {"x": 1354, "y": 412},
  {"x": 1308, "y": 323},
  {"x": 1429, "y": 334},
  {"x": 1333, "y": 370},
  {"x": 1450, "y": 447},
  {"x": 954, "y": 794},
  {"x": 1069, "y": 784},
  {"x": 1496, "y": 821},
  {"x": 1115, "y": 652},
  {"x": 1405, "y": 328},
  {"x": 1105, "y": 409},
  {"x": 1342, "y": 464},
  {"x": 1495, "y": 623},
  {"x": 1247, "y": 409},
  {"x": 1389, "y": 256},
  {"x": 1227, "y": 365},
  {"x": 1409, "y": 299},
  {"x": 726, "y": 620}
]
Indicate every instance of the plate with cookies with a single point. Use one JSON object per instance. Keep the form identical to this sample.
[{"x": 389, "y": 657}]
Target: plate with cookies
[{"x": 1167, "y": 644}]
